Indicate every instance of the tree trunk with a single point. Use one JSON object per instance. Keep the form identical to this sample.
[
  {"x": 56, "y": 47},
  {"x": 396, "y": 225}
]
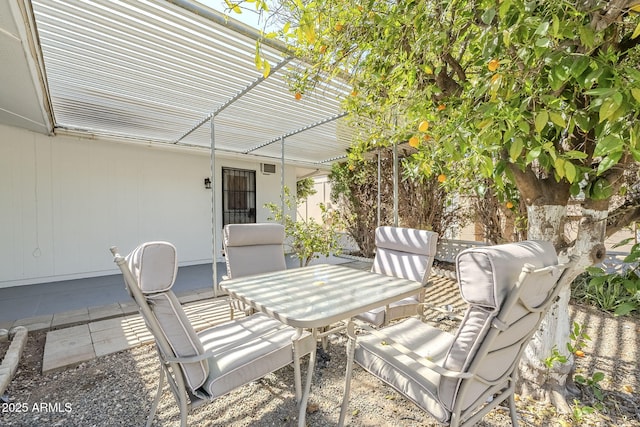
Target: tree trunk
[{"x": 555, "y": 385}]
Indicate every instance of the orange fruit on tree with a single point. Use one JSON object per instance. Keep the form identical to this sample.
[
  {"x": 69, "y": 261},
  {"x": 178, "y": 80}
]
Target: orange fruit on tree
[
  {"x": 441, "y": 107},
  {"x": 509, "y": 205},
  {"x": 442, "y": 178},
  {"x": 414, "y": 142},
  {"x": 352, "y": 167},
  {"x": 298, "y": 96},
  {"x": 354, "y": 92},
  {"x": 323, "y": 49},
  {"x": 423, "y": 126},
  {"x": 493, "y": 65},
  {"x": 579, "y": 353},
  {"x": 339, "y": 26},
  {"x": 426, "y": 137}
]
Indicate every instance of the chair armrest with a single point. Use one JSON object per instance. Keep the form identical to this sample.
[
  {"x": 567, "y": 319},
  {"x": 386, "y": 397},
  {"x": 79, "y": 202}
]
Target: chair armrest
[
  {"x": 420, "y": 359},
  {"x": 189, "y": 359}
]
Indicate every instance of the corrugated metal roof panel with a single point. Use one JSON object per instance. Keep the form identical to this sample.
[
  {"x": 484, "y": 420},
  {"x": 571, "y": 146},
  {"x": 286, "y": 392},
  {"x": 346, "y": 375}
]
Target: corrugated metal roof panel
[{"x": 153, "y": 70}]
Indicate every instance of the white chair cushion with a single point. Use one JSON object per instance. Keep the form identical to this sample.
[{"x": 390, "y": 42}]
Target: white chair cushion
[
  {"x": 253, "y": 249},
  {"x": 486, "y": 275},
  {"x": 247, "y": 349},
  {"x": 158, "y": 261},
  {"x": 407, "y": 240},
  {"x": 404, "y": 252},
  {"x": 181, "y": 336},
  {"x": 254, "y": 234},
  {"x": 409, "y": 377}
]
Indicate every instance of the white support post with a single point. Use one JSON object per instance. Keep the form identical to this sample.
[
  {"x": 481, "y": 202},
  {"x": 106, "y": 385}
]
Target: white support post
[
  {"x": 282, "y": 204},
  {"x": 214, "y": 223}
]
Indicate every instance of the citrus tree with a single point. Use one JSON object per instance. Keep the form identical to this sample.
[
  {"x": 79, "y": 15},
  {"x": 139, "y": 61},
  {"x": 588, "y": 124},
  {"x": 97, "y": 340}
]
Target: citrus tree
[{"x": 543, "y": 95}]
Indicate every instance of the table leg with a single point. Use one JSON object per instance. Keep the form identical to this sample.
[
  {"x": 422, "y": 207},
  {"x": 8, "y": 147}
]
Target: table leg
[
  {"x": 351, "y": 348},
  {"x": 307, "y": 386}
]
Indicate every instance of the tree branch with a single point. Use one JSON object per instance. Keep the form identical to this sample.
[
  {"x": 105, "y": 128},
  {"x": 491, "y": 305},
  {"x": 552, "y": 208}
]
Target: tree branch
[
  {"x": 607, "y": 16},
  {"x": 622, "y": 217},
  {"x": 537, "y": 190}
]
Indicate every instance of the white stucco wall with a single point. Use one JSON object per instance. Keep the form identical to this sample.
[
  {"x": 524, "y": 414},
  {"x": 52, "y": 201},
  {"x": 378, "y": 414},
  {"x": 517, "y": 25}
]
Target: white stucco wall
[{"x": 65, "y": 200}]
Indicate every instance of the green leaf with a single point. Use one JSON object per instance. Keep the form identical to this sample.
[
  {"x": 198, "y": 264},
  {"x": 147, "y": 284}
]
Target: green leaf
[
  {"x": 625, "y": 308},
  {"x": 541, "y": 120},
  {"x": 542, "y": 42},
  {"x": 488, "y": 15},
  {"x": 630, "y": 286},
  {"x": 579, "y": 66},
  {"x": 582, "y": 120},
  {"x": 601, "y": 190},
  {"x": 608, "y": 162},
  {"x": 632, "y": 257},
  {"x": 267, "y": 69},
  {"x": 575, "y": 189},
  {"x": 557, "y": 119},
  {"x": 534, "y": 154},
  {"x": 559, "y": 166},
  {"x": 587, "y": 35},
  {"x": 570, "y": 172},
  {"x": 608, "y": 107},
  {"x": 574, "y": 154},
  {"x": 555, "y": 25},
  {"x": 636, "y": 32},
  {"x": 607, "y": 145},
  {"x": 542, "y": 28},
  {"x": 603, "y": 92},
  {"x": 635, "y": 92},
  {"x": 516, "y": 149}
]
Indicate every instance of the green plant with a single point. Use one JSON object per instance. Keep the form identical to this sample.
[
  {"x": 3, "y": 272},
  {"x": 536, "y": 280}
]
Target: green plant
[
  {"x": 617, "y": 292},
  {"x": 579, "y": 411},
  {"x": 308, "y": 238},
  {"x": 593, "y": 383},
  {"x": 305, "y": 188},
  {"x": 578, "y": 340},
  {"x": 555, "y": 357}
]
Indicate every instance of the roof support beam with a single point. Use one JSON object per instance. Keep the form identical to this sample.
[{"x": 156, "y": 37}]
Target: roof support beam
[
  {"x": 297, "y": 131},
  {"x": 233, "y": 99}
]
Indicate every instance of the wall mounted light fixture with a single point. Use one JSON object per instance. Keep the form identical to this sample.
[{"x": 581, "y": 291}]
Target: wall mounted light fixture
[{"x": 207, "y": 183}]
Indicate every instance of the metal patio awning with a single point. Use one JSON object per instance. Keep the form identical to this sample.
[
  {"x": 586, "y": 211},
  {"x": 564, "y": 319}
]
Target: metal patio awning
[{"x": 157, "y": 70}]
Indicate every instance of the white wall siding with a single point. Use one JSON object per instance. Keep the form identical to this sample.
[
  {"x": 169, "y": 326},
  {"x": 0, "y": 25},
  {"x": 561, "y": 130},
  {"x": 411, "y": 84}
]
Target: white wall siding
[{"x": 66, "y": 200}]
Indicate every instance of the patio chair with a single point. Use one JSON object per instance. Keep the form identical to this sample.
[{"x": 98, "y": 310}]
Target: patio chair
[
  {"x": 202, "y": 366},
  {"x": 252, "y": 249},
  {"x": 407, "y": 253},
  {"x": 458, "y": 378}
]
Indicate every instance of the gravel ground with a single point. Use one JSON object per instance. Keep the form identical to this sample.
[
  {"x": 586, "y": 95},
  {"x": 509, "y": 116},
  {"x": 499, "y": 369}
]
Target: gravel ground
[{"x": 117, "y": 390}]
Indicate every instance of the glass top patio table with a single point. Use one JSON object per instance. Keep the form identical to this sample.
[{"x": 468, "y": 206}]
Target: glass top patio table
[{"x": 318, "y": 295}]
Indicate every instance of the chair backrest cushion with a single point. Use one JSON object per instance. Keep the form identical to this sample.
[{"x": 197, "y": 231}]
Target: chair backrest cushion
[
  {"x": 254, "y": 248},
  {"x": 405, "y": 252},
  {"x": 154, "y": 265},
  {"x": 486, "y": 276}
]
